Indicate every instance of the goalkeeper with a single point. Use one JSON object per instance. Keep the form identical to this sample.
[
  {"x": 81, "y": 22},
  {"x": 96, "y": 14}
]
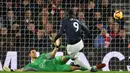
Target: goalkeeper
[{"x": 47, "y": 62}]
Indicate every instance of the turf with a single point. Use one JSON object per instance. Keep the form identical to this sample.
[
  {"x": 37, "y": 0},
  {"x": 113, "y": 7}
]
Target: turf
[{"x": 72, "y": 72}]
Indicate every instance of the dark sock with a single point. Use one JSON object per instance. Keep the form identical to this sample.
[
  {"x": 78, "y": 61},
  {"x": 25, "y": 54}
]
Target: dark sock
[{"x": 12, "y": 70}]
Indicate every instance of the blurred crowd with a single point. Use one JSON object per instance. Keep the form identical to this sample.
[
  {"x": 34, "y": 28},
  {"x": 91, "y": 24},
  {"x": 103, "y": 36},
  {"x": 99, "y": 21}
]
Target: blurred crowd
[{"x": 32, "y": 23}]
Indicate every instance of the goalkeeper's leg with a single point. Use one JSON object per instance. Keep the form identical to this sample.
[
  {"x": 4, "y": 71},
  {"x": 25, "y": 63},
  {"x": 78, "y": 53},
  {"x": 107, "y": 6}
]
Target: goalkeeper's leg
[
  {"x": 62, "y": 59},
  {"x": 6, "y": 69},
  {"x": 98, "y": 66}
]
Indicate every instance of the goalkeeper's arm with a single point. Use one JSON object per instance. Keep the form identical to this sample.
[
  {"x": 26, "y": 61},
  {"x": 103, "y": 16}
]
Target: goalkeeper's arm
[
  {"x": 52, "y": 54},
  {"x": 57, "y": 44}
]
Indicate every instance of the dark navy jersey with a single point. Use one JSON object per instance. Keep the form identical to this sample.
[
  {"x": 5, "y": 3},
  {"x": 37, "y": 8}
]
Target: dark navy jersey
[{"x": 72, "y": 27}]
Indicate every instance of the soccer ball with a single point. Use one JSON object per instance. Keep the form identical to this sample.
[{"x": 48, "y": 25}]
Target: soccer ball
[{"x": 118, "y": 14}]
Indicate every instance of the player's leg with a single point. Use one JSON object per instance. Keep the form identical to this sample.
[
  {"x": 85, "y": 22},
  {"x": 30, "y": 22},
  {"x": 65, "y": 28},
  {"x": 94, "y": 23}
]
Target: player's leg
[
  {"x": 68, "y": 68},
  {"x": 73, "y": 68},
  {"x": 73, "y": 50}
]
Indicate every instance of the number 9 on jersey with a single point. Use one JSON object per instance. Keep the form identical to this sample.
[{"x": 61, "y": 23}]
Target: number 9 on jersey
[{"x": 76, "y": 25}]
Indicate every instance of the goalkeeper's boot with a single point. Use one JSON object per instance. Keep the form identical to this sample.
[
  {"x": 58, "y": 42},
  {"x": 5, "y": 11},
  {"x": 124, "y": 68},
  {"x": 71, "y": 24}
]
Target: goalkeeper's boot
[{"x": 6, "y": 69}]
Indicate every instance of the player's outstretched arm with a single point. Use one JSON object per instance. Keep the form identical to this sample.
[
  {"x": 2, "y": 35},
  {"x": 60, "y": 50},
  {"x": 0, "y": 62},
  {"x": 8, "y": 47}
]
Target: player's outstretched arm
[
  {"x": 61, "y": 31},
  {"x": 52, "y": 54},
  {"x": 57, "y": 43}
]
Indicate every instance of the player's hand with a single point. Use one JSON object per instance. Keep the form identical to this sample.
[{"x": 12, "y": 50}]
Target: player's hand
[{"x": 57, "y": 43}]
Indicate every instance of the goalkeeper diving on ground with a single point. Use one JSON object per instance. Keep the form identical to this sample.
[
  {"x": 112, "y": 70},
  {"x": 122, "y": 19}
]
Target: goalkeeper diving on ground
[{"x": 47, "y": 62}]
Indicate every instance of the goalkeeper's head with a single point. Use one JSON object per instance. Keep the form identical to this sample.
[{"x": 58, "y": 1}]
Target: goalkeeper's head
[
  {"x": 32, "y": 53},
  {"x": 71, "y": 13}
]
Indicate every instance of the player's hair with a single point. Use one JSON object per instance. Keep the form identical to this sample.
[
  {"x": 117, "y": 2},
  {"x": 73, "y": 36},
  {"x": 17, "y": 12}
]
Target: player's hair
[
  {"x": 71, "y": 13},
  {"x": 31, "y": 50}
]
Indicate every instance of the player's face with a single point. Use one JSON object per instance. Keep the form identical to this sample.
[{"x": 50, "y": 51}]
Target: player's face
[
  {"x": 75, "y": 9},
  {"x": 33, "y": 54}
]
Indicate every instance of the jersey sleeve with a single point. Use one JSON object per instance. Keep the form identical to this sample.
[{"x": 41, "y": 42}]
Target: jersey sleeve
[
  {"x": 45, "y": 56},
  {"x": 48, "y": 56},
  {"x": 61, "y": 31},
  {"x": 84, "y": 28}
]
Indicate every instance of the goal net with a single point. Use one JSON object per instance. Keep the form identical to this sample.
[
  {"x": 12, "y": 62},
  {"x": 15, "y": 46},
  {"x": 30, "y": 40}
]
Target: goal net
[{"x": 26, "y": 24}]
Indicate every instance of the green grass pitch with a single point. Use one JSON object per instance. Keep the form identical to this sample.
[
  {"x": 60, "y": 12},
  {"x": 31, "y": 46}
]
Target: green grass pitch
[{"x": 72, "y": 72}]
